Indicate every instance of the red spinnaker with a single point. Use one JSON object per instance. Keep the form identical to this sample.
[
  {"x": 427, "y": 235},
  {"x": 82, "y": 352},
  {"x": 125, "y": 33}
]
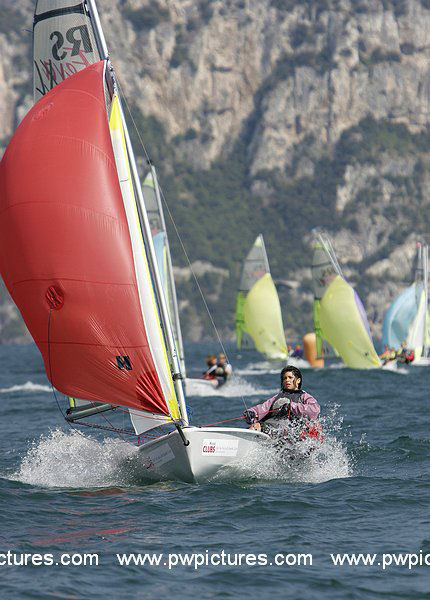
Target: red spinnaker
[{"x": 65, "y": 249}]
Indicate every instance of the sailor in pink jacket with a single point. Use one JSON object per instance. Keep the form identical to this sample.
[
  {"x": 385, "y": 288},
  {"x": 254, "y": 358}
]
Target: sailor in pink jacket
[{"x": 290, "y": 403}]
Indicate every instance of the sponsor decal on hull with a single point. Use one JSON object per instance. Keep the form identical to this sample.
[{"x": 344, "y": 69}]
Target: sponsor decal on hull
[
  {"x": 158, "y": 457},
  {"x": 220, "y": 447}
]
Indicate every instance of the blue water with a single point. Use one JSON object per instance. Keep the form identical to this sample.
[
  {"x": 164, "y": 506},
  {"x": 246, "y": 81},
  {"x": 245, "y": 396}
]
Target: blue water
[{"x": 68, "y": 492}]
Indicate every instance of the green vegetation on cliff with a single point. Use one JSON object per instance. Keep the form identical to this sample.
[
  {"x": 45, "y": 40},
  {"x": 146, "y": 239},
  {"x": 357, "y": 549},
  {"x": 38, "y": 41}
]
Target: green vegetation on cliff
[{"x": 218, "y": 216}]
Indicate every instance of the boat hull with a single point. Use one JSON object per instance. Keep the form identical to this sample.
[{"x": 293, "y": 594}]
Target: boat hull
[
  {"x": 390, "y": 366},
  {"x": 421, "y": 362},
  {"x": 209, "y": 451},
  {"x": 200, "y": 386}
]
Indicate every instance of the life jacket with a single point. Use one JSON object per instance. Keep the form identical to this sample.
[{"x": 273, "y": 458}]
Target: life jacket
[
  {"x": 280, "y": 401},
  {"x": 210, "y": 373},
  {"x": 277, "y": 412},
  {"x": 410, "y": 356},
  {"x": 223, "y": 371},
  {"x": 313, "y": 430}
]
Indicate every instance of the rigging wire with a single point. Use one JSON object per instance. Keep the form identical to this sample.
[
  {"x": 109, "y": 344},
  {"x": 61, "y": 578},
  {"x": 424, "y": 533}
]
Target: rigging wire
[{"x": 123, "y": 96}]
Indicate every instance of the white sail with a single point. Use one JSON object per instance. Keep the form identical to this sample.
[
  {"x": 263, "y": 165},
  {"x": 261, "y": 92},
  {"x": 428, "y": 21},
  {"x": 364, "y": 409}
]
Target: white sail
[
  {"x": 157, "y": 222},
  {"x": 64, "y": 43},
  {"x": 417, "y": 339}
]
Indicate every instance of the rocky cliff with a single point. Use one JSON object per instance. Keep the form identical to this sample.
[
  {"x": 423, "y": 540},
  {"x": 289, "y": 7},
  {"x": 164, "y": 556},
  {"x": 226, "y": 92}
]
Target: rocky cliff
[{"x": 275, "y": 116}]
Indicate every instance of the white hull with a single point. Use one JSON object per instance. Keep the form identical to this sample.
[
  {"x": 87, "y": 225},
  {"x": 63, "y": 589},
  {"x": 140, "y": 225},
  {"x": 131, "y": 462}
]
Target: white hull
[
  {"x": 209, "y": 383},
  {"x": 390, "y": 366},
  {"x": 210, "y": 450},
  {"x": 421, "y": 362},
  {"x": 300, "y": 363}
]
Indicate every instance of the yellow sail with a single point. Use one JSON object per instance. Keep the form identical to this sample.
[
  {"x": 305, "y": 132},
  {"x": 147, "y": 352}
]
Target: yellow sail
[
  {"x": 343, "y": 327},
  {"x": 263, "y": 319}
]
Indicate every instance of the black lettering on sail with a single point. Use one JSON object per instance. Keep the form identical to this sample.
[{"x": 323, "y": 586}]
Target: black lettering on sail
[
  {"x": 124, "y": 362},
  {"x": 58, "y": 44},
  {"x": 76, "y": 41},
  {"x": 44, "y": 88}
]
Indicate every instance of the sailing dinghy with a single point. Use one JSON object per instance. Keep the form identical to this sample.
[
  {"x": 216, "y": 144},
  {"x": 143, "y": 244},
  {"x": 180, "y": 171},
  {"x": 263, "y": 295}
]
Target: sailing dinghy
[
  {"x": 77, "y": 254},
  {"x": 418, "y": 336},
  {"x": 407, "y": 319},
  {"x": 339, "y": 315},
  {"x": 258, "y": 312}
]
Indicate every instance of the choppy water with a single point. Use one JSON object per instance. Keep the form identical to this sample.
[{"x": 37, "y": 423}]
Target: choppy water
[{"x": 366, "y": 490}]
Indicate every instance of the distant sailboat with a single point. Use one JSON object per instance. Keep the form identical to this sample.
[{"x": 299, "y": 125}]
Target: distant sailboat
[
  {"x": 77, "y": 254},
  {"x": 407, "y": 319},
  {"x": 339, "y": 315},
  {"x": 258, "y": 312}
]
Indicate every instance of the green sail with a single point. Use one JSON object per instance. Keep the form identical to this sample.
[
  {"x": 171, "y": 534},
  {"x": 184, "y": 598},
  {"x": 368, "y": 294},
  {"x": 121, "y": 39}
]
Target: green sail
[
  {"x": 258, "y": 312},
  {"x": 263, "y": 318},
  {"x": 343, "y": 327},
  {"x": 339, "y": 316}
]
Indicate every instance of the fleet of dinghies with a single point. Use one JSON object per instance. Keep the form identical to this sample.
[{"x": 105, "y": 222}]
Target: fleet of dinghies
[{"x": 85, "y": 256}]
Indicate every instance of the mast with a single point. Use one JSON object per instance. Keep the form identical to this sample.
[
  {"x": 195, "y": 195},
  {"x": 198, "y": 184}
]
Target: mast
[
  {"x": 144, "y": 225},
  {"x": 328, "y": 247}
]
